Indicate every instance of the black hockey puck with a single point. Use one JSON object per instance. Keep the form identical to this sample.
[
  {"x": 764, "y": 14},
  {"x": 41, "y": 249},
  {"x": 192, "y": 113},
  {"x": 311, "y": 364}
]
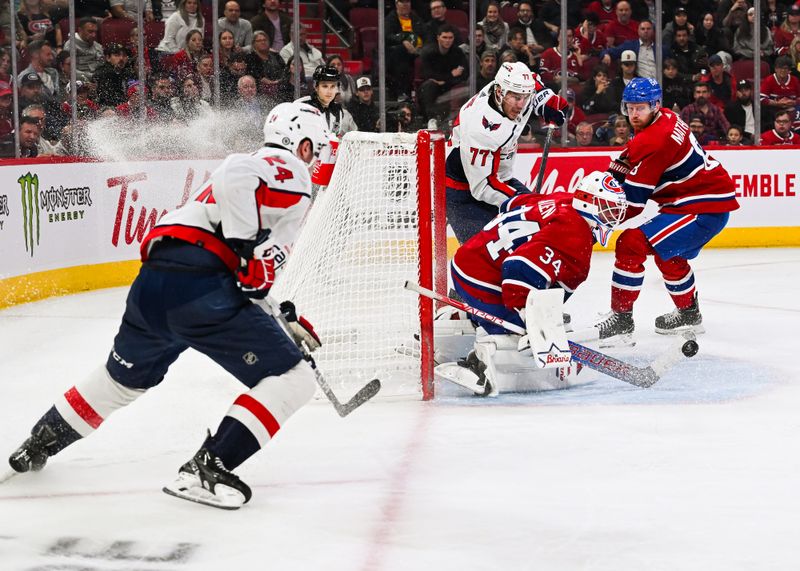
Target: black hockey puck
[{"x": 690, "y": 348}]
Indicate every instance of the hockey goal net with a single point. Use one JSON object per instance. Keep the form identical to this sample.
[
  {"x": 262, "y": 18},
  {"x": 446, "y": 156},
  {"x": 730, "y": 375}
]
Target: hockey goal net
[{"x": 378, "y": 223}]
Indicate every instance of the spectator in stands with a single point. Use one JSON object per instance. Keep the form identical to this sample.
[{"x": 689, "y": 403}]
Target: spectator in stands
[
  {"x": 550, "y": 64},
  {"x": 402, "y": 119},
  {"x": 84, "y": 106},
  {"x": 782, "y": 133},
  {"x": 275, "y": 22},
  {"x": 5, "y": 68},
  {"x": 136, "y": 105},
  {"x": 598, "y": 94},
  {"x": 732, "y": 14},
  {"x": 711, "y": 36},
  {"x": 205, "y": 77},
  {"x": 794, "y": 53},
  {"x": 30, "y": 90},
  {"x": 772, "y": 13},
  {"x": 691, "y": 58},
  {"x": 626, "y": 72},
  {"x": 676, "y": 88},
  {"x": 129, "y": 10},
  {"x": 495, "y": 30},
  {"x": 742, "y": 46},
  {"x": 40, "y": 20},
  {"x": 161, "y": 93},
  {"x": 487, "y": 69},
  {"x": 97, "y": 9},
  {"x": 112, "y": 77},
  {"x": 537, "y": 36},
  {"x": 788, "y": 30},
  {"x": 698, "y": 128},
  {"x": 185, "y": 60},
  {"x": 248, "y": 103},
  {"x": 584, "y": 135},
  {"x": 444, "y": 66},
  {"x": 241, "y": 29},
  {"x": 523, "y": 52},
  {"x": 29, "y": 133},
  {"x": 623, "y": 27},
  {"x": 622, "y": 132},
  {"x": 229, "y": 78},
  {"x": 286, "y": 88},
  {"x": 592, "y": 40},
  {"x": 740, "y": 111},
  {"x": 310, "y": 57},
  {"x": 88, "y": 53},
  {"x": 132, "y": 46},
  {"x": 680, "y": 19},
  {"x": 735, "y": 136},
  {"x": 480, "y": 43},
  {"x": 644, "y": 48},
  {"x": 716, "y": 125},
  {"x": 42, "y": 58},
  {"x": 187, "y": 17},
  {"x": 362, "y": 107},
  {"x": 438, "y": 19},
  {"x": 6, "y": 112},
  {"x": 574, "y": 113},
  {"x": 721, "y": 83},
  {"x": 780, "y": 91},
  {"x": 550, "y": 14},
  {"x": 188, "y": 105},
  {"x": 265, "y": 65},
  {"x": 603, "y": 9},
  {"x": 403, "y": 29},
  {"x": 347, "y": 85},
  {"x": 227, "y": 47}
]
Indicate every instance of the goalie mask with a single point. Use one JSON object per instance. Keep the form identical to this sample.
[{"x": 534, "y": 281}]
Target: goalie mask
[
  {"x": 289, "y": 124},
  {"x": 600, "y": 199},
  {"x": 513, "y": 78}
]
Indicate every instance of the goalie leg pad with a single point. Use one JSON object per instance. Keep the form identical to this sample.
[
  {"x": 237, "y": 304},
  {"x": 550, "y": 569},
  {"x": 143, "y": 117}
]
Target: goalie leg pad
[{"x": 545, "y": 325}]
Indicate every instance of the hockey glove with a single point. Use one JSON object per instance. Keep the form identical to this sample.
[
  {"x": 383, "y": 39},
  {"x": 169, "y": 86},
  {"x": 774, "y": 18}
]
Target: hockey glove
[
  {"x": 619, "y": 169},
  {"x": 302, "y": 330},
  {"x": 256, "y": 276},
  {"x": 555, "y": 110}
]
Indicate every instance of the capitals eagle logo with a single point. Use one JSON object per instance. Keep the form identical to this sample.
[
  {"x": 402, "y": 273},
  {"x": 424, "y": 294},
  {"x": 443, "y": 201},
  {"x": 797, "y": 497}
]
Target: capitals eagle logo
[{"x": 489, "y": 125}]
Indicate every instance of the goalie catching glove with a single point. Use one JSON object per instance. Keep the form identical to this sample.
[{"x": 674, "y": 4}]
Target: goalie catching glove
[{"x": 302, "y": 331}]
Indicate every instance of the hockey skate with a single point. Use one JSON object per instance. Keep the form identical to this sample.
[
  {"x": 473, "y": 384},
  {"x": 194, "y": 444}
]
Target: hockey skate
[
  {"x": 616, "y": 329},
  {"x": 205, "y": 480},
  {"x": 34, "y": 452},
  {"x": 680, "y": 320}
]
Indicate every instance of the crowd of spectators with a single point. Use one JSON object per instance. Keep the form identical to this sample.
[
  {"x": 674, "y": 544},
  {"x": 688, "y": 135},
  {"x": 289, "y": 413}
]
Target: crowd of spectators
[{"x": 707, "y": 76}]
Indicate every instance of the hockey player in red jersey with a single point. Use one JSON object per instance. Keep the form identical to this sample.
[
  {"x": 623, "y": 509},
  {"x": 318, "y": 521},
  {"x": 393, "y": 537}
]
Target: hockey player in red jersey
[
  {"x": 201, "y": 265},
  {"x": 536, "y": 243},
  {"x": 665, "y": 164}
]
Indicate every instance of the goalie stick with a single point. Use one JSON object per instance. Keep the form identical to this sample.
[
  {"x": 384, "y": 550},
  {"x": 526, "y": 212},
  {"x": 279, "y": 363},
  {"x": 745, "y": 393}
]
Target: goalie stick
[
  {"x": 642, "y": 377},
  {"x": 343, "y": 409}
]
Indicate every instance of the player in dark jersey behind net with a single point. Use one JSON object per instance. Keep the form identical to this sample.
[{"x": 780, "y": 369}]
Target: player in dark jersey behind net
[
  {"x": 537, "y": 244},
  {"x": 665, "y": 164}
]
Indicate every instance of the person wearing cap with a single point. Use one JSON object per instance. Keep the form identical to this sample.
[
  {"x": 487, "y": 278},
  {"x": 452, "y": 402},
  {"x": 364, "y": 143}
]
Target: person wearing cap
[
  {"x": 41, "y": 63},
  {"x": 132, "y": 108},
  {"x": 626, "y": 73},
  {"x": 622, "y": 28},
  {"x": 30, "y": 90},
  {"x": 643, "y": 47},
  {"x": 88, "y": 53},
  {"x": 680, "y": 19},
  {"x": 362, "y": 107},
  {"x": 722, "y": 83},
  {"x": 486, "y": 70},
  {"x": 445, "y": 67},
  {"x": 575, "y": 114},
  {"x": 113, "y": 76},
  {"x": 698, "y": 128},
  {"x": 740, "y": 110},
  {"x": 326, "y": 87},
  {"x": 742, "y": 44},
  {"x": 782, "y": 133},
  {"x": 788, "y": 30}
]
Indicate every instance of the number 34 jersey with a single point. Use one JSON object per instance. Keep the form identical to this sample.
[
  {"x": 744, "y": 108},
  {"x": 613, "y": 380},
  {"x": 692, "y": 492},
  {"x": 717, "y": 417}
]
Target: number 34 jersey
[{"x": 536, "y": 242}]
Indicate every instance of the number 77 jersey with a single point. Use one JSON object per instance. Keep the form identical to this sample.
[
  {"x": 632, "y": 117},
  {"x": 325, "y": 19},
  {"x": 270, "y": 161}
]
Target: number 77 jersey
[{"x": 536, "y": 242}]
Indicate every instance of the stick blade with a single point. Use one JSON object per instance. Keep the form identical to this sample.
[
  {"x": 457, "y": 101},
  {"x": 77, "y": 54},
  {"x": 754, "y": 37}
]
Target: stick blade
[{"x": 364, "y": 394}]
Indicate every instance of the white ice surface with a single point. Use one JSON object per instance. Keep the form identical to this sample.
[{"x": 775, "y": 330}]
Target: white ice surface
[{"x": 701, "y": 472}]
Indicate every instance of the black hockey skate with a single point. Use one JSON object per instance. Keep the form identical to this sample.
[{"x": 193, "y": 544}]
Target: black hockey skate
[
  {"x": 680, "y": 320},
  {"x": 616, "y": 329},
  {"x": 34, "y": 452},
  {"x": 205, "y": 480},
  {"x": 482, "y": 385}
]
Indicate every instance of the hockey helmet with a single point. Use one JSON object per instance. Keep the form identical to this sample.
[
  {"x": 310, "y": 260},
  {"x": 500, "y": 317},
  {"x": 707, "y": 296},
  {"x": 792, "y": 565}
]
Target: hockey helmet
[
  {"x": 600, "y": 199},
  {"x": 289, "y": 124},
  {"x": 513, "y": 77},
  {"x": 641, "y": 90},
  {"x": 325, "y": 72}
]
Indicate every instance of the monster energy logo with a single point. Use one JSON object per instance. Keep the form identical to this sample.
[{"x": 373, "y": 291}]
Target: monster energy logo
[{"x": 29, "y": 186}]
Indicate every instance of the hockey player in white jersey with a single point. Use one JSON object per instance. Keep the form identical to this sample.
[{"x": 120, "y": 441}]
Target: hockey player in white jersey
[
  {"x": 484, "y": 144},
  {"x": 201, "y": 265}
]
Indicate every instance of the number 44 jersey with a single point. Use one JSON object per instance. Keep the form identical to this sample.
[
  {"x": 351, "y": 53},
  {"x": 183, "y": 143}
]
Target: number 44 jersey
[{"x": 536, "y": 242}]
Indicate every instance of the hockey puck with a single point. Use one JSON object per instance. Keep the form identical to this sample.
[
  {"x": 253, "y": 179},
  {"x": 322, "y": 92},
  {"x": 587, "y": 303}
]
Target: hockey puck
[{"x": 690, "y": 348}]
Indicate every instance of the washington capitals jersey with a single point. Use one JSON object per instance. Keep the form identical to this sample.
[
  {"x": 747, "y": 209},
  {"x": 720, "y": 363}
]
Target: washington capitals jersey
[
  {"x": 484, "y": 142},
  {"x": 536, "y": 242},
  {"x": 247, "y": 198},
  {"x": 669, "y": 167}
]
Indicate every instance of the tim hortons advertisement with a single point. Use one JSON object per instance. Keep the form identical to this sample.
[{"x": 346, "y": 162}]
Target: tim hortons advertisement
[{"x": 69, "y": 214}]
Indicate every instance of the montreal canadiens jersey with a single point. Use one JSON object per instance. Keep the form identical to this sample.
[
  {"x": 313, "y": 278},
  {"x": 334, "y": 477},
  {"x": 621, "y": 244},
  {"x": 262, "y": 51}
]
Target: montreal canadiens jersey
[
  {"x": 536, "y": 242},
  {"x": 245, "y": 196},
  {"x": 669, "y": 167},
  {"x": 484, "y": 142}
]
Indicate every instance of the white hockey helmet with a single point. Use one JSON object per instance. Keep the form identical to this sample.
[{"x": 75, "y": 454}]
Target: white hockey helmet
[
  {"x": 515, "y": 77},
  {"x": 289, "y": 124},
  {"x": 600, "y": 199}
]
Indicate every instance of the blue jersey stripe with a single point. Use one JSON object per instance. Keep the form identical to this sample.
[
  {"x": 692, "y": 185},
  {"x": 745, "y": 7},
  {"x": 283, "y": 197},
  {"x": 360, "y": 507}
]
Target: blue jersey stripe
[{"x": 515, "y": 268}]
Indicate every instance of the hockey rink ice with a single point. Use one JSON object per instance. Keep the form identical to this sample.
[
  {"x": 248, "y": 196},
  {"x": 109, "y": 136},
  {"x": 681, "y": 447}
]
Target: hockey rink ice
[{"x": 700, "y": 472}]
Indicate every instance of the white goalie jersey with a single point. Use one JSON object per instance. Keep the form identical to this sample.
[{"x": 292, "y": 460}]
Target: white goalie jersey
[
  {"x": 260, "y": 198},
  {"x": 484, "y": 142}
]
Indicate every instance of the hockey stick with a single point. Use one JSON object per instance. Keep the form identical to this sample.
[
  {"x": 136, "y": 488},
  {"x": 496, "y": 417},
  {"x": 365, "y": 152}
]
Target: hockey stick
[
  {"x": 545, "y": 152},
  {"x": 642, "y": 377},
  {"x": 343, "y": 409}
]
